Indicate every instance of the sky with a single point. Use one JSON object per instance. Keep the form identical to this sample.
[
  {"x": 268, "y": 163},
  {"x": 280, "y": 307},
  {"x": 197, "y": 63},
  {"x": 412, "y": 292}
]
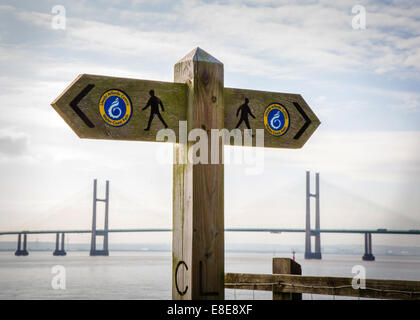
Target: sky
[{"x": 363, "y": 84}]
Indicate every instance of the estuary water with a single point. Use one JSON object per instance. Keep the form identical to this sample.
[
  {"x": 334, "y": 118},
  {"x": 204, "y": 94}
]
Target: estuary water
[{"x": 147, "y": 275}]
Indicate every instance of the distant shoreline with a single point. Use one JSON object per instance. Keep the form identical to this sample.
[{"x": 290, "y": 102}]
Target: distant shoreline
[
  {"x": 286, "y": 253},
  {"x": 346, "y": 249}
]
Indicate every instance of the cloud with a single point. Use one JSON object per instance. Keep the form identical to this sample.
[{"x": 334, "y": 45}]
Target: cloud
[
  {"x": 6, "y": 8},
  {"x": 376, "y": 156},
  {"x": 35, "y": 18},
  {"x": 402, "y": 100},
  {"x": 13, "y": 144},
  {"x": 287, "y": 39}
]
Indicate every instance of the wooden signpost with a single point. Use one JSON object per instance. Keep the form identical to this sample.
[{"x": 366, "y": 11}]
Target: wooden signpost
[{"x": 99, "y": 107}]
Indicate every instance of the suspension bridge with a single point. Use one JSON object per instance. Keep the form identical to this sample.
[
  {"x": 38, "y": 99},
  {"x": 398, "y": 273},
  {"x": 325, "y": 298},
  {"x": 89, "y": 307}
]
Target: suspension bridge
[{"x": 22, "y": 247}]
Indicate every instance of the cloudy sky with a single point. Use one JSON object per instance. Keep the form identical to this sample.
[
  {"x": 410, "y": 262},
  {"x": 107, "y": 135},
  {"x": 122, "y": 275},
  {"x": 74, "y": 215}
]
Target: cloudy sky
[{"x": 363, "y": 84}]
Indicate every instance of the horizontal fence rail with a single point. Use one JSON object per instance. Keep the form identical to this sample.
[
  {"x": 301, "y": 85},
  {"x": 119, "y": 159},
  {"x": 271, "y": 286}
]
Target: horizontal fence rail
[
  {"x": 288, "y": 283},
  {"x": 337, "y": 286}
]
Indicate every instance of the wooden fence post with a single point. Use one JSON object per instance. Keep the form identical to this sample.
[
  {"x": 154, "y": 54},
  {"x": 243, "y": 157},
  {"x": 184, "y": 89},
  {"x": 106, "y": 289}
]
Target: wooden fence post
[{"x": 286, "y": 266}]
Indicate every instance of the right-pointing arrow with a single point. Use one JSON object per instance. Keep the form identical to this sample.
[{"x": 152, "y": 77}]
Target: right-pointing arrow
[{"x": 305, "y": 125}]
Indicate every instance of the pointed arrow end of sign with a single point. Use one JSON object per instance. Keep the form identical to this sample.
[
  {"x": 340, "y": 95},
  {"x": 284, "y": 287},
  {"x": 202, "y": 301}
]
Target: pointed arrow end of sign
[
  {"x": 311, "y": 122},
  {"x": 62, "y": 103},
  {"x": 56, "y": 101}
]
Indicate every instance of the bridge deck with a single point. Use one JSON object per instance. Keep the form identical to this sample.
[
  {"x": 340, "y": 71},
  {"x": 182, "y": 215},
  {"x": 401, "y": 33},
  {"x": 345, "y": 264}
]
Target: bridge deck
[{"x": 270, "y": 230}]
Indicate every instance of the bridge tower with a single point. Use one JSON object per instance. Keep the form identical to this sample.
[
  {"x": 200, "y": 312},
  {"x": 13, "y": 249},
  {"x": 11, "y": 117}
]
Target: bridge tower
[
  {"x": 104, "y": 232},
  {"x": 20, "y": 251},
  {"x": 308, "y": 233},
  {"x": 59, "y": 250},
  {"x": 368, "y": 256}
]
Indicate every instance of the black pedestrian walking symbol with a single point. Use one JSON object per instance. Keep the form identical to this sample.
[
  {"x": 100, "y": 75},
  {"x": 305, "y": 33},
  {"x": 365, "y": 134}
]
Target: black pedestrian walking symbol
[
  {"x": 245, "y": 110},
  {"x": 154, "y": 103}
]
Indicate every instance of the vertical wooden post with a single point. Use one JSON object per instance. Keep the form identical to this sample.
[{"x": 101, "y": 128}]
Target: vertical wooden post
[
  {"x": 198, "y": 189},
  {"x": 286, "y": 266}
]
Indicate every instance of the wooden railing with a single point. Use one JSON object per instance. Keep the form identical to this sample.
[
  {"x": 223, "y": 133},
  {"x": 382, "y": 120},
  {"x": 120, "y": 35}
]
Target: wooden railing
[{"x": 287, "y": 283}]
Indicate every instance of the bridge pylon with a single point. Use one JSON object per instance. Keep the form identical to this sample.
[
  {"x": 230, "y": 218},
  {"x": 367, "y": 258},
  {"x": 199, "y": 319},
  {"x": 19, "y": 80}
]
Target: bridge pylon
[
  {"x": 93, "y": 250},
  {"x": 308, "y": 233},
  {"x": 368, "y": 256},
  {"x": 21, "y": 251},
  {"x": 59, "y": 250}
]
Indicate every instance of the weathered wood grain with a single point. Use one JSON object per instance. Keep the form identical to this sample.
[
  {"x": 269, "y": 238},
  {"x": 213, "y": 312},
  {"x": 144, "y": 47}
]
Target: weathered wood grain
[
  {"x": 198, "y": 190},
  {"x": 285, "y": 266},
  {"x": 384, "y": 289},
  {"x": 173, "y": 96},
  {"x": 258, "y": 102}
]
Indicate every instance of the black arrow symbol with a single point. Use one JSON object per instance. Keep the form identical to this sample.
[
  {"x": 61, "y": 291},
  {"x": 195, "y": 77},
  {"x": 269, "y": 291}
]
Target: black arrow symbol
[
  {"x": 307, "y": 121},
  {"x": 77, "y": 99}
]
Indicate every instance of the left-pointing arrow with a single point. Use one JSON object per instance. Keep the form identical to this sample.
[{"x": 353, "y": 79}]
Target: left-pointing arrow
[{"x": 77, "y": 99}]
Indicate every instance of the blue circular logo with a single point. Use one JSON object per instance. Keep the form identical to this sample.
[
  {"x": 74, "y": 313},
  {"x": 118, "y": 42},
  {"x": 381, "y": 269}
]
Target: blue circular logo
[
  {"x": 276, "y": 119},
  {"x": 115, "y": 108}
]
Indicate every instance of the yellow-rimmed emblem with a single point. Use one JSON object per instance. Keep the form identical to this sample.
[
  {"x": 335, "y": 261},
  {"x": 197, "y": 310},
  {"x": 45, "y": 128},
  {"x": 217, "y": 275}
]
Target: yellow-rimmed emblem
[
  {"x": 276, "y": 119},
  {"x": 115, "y": 107}
]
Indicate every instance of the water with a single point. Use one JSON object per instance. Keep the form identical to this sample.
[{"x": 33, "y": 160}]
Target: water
[{"x": 147, "y": 275}]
